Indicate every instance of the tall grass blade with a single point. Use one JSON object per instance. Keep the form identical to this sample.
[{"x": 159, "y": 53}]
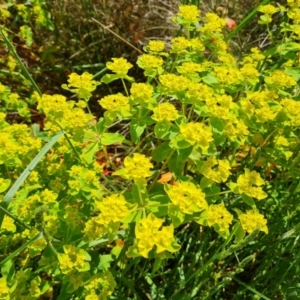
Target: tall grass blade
[
  {"x": 12, "y": 191},
  {"x": 15, "y": 253},
  {"x": 12, "y": 49},
  {"x": 245, "y": 21}
]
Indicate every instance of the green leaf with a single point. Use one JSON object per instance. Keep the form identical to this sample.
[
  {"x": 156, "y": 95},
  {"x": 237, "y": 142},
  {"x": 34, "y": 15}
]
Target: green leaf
[
  {"x": 108, "y": 78},
  {"x": 161, "y": 152},
  {"x": 8, "y": 270},
  {"x": 210, "y": 80},
  {"x": 176, "y": 216},
  {"x": 136, "y": 130},
  {"x": 111, "y": 138},
  {"x": 248, "y": 200},
  {"x": 179, "y": 142},
  {"x": 5, "y": 185},
  {"x": 157, "y": 264},
  {"x": 178, "y": 159},
  {"x": 238, "y": 232},
  {"x": 162, "y": 128},
  {"x": 110, "y": 117},
  {"x": 105, "y": 261},
  {"x": 89, "y": 152},
  {"x": 217, "y": 123},
  {"x": 101, "y": 125},
  {"x": 205, "y": 182}
]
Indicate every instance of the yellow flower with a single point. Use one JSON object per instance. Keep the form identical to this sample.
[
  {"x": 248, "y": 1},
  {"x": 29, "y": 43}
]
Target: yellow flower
[
  {"x": 4, "y": 290},
  {"x": 278, "y": 79},
  {"x": 219, "y": 215},
  {"x": 141, "y": 92},
  {"x": 119, "y": 66},
  {"x": 156, "y": 46},
  {"x": 179, "y": 44},
  {"x": 268, "y": 9},
  {"x": 150, "y": 62},
  {"x": 213, "y": 24},
  {"x": 115, "y": 102},
  {"x": 187, "y": 197},
  {"x": 252, "y": 219},
  {"x": 197, "y": 45},
  {"x": 114, "y": 208},
  {"x": 190, "y": 69},
  {"x": 217, "y": 174},
  {"x": 82, "y": 82},
  {"x": 148, "y": 234},
  {"x": 250, "y": 183},
  {"x": 48, "y": 196},
  {"x": 197, "y": 133},
  {"x": 8, "y": 224},
  {"x": 165, "y": 112},
  {"x": 174, "y": 83},
  {"x": 136, "y": 167},
  {"x": 190, "y": 13}
]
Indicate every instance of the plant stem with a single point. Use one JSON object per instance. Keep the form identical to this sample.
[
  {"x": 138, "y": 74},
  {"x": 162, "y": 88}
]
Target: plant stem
[{"x": 160, "y": 171}]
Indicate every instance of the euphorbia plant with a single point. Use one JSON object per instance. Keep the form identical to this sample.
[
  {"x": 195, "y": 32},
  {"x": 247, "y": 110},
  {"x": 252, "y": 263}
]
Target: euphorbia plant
[{"x": 219, "y": 126}]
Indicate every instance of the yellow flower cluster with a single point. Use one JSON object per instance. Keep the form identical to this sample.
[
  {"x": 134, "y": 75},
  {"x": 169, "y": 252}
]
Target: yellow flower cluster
[
  {"x": 100, "y": 286},
  {"x": 197, "y": 133},
  {"x": 268, "y": 9},
  {"x": 213, "y": 24},
  {"x": 119, "y": 66},
  {"x": 60, "y": 111},
  {"x": 217, "y": 174},
  {"x": 115, "y": 102},
  {"x": 187, "y": 197},
  {"x": 174, "y": 83},
  {"x": 252, "y": 219},
  {"x": 190, "y": 69},
  {"x": 190, "y": 14},
  {"x": 179, "y": 44},
  {"x": 141, "y": 93},
  {"x": 218, "y": 215},
  {"x": 156, "y": 46},
  {"x": 93, "y": 230},
  {"x": 150, "y": 62},
  {"x": 198, "y": 92},
  {"x": 165, "y": 112},
  {"x": 250, "y": 183},
  {"x": 4, "y": 289},
  {"x": 16, "y": 142},
  {"x": 48, "y": 197},
  {"x": 227, "y": 75},
  {"x": 114, "y": 208},
  {"x": 136, "y": 167},
  {"x": 84, "y": 81},
  {"x": 72, "y": 258},
  {"x": 8, "y": 224},
  {"x": 149, "y": 234},
  {"x": 292, "y": 108},
  {"x": 279, "y": 80}
]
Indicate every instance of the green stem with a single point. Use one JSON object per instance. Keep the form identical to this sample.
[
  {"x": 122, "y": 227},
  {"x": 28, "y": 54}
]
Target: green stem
[
  {"x": 14, "y": 218},
  {"x": 160, "y": 171},
  {"x": 125, "y": 87}
]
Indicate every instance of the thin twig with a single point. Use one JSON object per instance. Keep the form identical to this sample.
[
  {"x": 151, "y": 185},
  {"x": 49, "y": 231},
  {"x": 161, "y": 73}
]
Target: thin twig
[{"x": 115, "y": 34}]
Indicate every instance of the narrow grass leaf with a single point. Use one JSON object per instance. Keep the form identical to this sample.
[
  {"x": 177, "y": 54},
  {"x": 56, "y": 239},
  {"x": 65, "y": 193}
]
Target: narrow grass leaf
[
  {"x": 11, "y": 48},
  {"x": 15, "y": 253},
  {"x": 12, "y": 191},
  {"x": 245, "y": 21}
]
